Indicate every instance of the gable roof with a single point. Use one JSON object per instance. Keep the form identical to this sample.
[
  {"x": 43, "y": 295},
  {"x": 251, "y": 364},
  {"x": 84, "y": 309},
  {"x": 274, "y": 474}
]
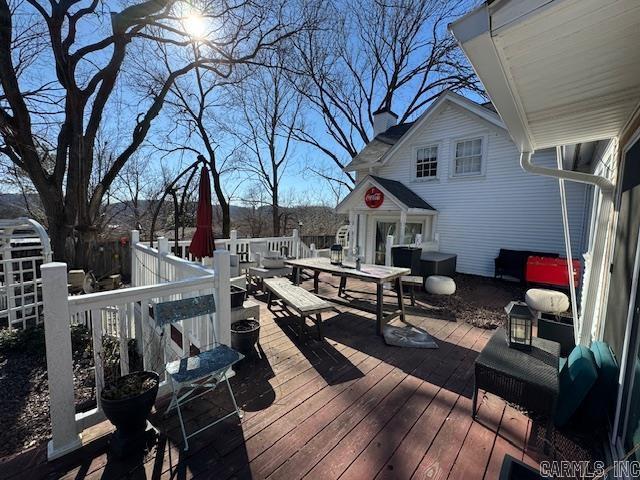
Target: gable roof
[
  {"x": 380, "y": 148},
  {"x": 376, "y": 148},
  {"x": 398, "y": 192},
  {"x": 403, "y": 193}
]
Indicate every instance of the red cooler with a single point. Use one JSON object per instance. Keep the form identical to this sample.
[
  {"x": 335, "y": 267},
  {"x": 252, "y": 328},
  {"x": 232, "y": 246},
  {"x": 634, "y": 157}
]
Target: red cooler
[{"x": 551, "y": 271}]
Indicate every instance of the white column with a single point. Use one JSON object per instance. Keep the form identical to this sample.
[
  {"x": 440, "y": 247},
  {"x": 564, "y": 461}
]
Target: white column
[
  {"x": 387, "y": 250},
  {"x": 222, "y": 297},
  {"x": 403, "y": 226},
  {"x": 296, "y": 243},
  {"x": 57, "y": 333},
  {"x": 353, "y": 218}
]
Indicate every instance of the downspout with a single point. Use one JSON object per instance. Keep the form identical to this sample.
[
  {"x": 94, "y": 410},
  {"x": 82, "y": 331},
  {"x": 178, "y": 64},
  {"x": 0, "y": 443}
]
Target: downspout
[
  {"x": 567, "y": 245},
  {"x": 606, "y": 189}
]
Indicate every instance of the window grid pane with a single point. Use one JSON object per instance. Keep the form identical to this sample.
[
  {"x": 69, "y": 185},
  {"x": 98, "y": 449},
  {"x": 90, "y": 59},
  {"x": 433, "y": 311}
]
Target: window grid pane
[
  {"x": 468, "y": 159},
  {"x": 427, "y": 162}
]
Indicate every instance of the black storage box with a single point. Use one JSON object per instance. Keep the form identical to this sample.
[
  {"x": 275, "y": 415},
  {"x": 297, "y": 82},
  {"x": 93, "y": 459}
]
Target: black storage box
[{"x": 407, "y": 257}]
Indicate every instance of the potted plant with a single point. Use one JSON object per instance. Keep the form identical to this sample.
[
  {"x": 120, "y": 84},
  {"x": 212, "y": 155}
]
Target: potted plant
[
  {"x": 127, "y": 400},
  {"x": 245, "y": 335}
]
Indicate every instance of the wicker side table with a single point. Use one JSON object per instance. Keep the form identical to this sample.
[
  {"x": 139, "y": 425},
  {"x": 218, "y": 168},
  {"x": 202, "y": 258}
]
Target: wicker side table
[{"x": 527, "y": 379}]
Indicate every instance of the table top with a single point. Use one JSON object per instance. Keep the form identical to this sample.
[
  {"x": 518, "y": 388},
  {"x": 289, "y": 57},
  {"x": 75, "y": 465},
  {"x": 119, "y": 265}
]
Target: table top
[
  {"x": 269, "y": 272},
  {"x": 367, "y": 272},
  {"x": 539, "y": 366}
]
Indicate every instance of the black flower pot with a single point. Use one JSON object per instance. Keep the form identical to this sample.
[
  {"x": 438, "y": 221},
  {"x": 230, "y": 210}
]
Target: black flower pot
[
  {"x": 128, "y": 408},
  {"x": 245, "y": 335},
  {"x": 238, "y": 296}
]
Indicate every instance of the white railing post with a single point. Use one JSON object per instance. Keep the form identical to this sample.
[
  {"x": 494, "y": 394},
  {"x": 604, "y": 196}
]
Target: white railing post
[
  {"x": 296, "y": 242},
  {"x": 57, "y": 332},
  {"x": 135, "y": 238},
  {"x": 163, "y": 250},
  {"x": 233, "y": 242},
  {"x": 314, "y": 252},
  {"x": 222, "y": 270},
  {"x": 137, "y": 319}
]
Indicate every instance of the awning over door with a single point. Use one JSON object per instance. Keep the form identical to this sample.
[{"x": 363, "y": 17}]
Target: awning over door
[{"x": 377, "y": 194}]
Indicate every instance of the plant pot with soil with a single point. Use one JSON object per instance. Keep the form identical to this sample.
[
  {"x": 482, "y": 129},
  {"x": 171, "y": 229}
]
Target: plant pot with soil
[
  {"x": 245, "y": 335},
  {"x": 127, "y": 402}
]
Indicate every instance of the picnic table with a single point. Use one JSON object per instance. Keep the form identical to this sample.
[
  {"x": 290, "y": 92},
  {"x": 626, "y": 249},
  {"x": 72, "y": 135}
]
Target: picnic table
[{"x": 378, "y": 274}]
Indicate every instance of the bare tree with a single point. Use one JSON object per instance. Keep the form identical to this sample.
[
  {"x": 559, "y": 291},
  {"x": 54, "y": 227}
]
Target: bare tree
[
  {"x": 56, "y": 89},
  {"x": 269, "y": 113},
  {"x": 193, "y": 103},
  {"x": 375, "y": 54},
  {"x": 138, "y": 189}
]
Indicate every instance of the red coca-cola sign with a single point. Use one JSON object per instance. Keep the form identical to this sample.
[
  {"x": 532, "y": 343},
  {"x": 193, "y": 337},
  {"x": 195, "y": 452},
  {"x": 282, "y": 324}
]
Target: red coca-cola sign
[{"x": 373, "y": 197}]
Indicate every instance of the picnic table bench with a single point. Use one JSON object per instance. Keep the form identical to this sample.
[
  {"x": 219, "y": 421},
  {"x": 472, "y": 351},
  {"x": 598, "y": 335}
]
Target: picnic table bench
[{"x": 304, "y": 303}]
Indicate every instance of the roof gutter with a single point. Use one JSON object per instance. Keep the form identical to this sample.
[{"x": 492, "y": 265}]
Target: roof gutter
[
  {"x": 593, "y": 275},
  {"x": 604, "y": 184}
]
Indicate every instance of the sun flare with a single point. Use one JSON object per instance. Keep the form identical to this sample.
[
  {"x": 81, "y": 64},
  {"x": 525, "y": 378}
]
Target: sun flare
[{"x": 195, "y": 26}]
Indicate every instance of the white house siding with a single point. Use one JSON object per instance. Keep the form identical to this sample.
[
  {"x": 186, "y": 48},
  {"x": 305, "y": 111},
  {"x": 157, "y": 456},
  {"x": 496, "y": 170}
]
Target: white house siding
[{"x": 504, "y": 208}]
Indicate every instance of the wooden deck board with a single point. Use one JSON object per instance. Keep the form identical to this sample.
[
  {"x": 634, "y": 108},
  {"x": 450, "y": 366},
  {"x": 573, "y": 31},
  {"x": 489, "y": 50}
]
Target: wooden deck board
[{"x": 349, "y": 407}]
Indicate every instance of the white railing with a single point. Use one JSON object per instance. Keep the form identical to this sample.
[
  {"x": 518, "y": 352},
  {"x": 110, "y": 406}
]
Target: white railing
[
  {"x": 243, "y": 246},
  {"x": 156, "y": 276}
]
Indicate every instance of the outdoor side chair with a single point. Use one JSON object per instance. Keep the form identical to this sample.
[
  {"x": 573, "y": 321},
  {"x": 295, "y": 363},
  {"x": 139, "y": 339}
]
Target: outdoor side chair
[{"x": 195, "y": 375}]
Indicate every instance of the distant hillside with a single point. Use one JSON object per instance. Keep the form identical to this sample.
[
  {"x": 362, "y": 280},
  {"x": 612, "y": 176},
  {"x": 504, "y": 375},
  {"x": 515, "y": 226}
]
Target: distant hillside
[
  {"x": 250, "y": 222},
  {"x": 13, "y": 205}
]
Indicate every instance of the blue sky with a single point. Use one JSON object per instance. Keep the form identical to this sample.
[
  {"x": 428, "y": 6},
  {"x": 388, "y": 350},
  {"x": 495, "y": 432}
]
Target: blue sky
[{"x": 297, "y": 184}]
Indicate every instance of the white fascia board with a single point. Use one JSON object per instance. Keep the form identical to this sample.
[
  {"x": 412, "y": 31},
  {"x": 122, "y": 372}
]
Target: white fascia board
[
  {"x": 421, "y": 211},
  {"x": 474, "y": 36},
  {"x": 508, "y": 12},
  {"x": 444, "y": 97},
  {"x": 343, "y": 206}
]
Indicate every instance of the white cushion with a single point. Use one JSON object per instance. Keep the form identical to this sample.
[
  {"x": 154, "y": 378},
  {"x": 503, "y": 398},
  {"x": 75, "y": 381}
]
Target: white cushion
[
  {"x": 546, "y": 301},
  {"x": 440, "y": 285}
]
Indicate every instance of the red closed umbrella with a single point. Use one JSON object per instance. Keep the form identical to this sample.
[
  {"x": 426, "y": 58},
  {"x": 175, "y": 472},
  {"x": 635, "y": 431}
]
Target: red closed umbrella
[{"x": 202, "y": 243}]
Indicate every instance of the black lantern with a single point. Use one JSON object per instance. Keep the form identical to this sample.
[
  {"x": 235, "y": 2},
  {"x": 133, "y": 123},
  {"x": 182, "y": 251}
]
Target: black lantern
[
  {"x": 336, "y": 254},
  {"x": 519, "y": 325}
]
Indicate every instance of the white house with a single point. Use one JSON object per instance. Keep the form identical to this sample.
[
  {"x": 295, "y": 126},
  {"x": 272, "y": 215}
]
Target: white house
[
  {"x": 453, "y": 177},
  {"x": 567, "y": 72}
]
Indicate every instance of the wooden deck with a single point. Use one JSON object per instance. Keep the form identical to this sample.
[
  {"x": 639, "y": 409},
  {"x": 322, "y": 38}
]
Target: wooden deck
[{"x": 349, "y": 407}]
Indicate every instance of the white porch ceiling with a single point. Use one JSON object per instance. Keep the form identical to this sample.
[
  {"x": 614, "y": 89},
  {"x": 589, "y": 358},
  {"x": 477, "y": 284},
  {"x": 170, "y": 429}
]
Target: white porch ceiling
[{"x": 558, "y": 71}]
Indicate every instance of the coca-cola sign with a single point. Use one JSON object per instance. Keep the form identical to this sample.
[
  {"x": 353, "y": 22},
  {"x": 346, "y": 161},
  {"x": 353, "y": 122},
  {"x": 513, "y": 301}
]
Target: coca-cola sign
[{"x": 373, "y": 197}]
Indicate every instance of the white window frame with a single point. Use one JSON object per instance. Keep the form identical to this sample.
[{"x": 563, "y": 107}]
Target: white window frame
[
  {"x": 483, "y": 156},
  {"x": 415, "y": 161}
]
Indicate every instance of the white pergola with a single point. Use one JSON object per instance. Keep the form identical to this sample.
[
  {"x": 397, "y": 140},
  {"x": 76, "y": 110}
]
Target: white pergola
[{"x": 24, "y": 247}]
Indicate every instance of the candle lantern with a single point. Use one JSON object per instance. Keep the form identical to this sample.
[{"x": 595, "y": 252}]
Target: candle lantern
[
  {"x": 336, "y": 254},
  {"x": 519, "y": 325}
]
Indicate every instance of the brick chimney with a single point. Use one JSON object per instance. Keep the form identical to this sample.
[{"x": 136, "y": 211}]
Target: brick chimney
[{"x": 383, "y": 119}]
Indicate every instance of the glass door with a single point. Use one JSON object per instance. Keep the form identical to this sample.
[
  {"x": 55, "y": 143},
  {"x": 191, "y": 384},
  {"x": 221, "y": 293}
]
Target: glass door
[{"x": 382, "y": 230}]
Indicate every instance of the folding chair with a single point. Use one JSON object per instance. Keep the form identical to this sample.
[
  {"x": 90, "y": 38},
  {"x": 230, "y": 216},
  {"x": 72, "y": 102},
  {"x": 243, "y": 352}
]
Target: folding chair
[{"x": 198, "y": 373}]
